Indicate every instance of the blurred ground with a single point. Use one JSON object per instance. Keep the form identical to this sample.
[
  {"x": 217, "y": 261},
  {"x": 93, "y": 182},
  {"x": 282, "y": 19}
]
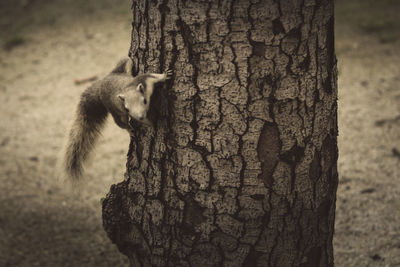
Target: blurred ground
[
  {"x": 367, "y": 229},
  {"x": 47, "y": 45}
]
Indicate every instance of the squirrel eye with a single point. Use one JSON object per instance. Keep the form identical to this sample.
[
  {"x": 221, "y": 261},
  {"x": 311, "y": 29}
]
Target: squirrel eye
[
  {"x": 141, "y": 87},
  {"x": 145, "y": 101}
]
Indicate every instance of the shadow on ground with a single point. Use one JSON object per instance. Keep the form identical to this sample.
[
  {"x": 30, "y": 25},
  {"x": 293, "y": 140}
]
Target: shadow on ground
[{"x": 37, "y": 236}]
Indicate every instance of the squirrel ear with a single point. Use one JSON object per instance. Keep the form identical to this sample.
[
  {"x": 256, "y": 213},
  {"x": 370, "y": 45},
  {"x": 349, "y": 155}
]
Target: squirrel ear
[
  {"x": 140, "y": 88},
  {"x": 122, "y": 97}
]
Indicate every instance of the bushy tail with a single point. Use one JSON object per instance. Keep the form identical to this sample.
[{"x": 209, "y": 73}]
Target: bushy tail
[{"x": 90, "y": 118}]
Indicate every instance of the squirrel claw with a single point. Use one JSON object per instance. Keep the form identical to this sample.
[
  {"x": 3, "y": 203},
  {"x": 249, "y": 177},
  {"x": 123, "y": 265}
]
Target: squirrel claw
[{"x": 169, "y": 73}]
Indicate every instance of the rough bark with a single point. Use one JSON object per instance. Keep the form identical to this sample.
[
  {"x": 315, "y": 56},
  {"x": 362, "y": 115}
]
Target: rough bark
[{"x": 240, "y": 167}]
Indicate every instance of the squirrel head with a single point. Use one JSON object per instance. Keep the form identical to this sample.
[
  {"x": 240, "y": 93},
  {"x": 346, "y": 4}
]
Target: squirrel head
[{"x": 135, "y": 103}]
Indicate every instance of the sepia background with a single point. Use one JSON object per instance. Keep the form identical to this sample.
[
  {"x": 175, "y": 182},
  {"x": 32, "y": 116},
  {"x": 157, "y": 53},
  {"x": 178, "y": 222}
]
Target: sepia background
[{"x": 48, "y": 48}]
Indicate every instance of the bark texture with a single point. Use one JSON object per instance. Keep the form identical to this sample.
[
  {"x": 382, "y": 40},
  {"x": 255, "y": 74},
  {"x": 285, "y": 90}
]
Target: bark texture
[{"x": 240, "y": 167}]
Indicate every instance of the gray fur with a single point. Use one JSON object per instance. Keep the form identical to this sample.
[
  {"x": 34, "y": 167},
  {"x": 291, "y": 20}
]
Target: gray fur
[
  {"x": 90, "y": 117},
  {"x": 123, "y": 66},
  {"x": 97, "y": 101}
]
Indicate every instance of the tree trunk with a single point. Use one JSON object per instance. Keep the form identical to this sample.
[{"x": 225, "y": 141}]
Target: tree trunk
[{"x": 240, "y": 168}]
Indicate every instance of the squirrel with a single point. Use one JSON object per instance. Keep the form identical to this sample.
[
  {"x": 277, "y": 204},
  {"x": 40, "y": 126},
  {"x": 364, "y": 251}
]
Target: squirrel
[{"x": 125, "y": 97}]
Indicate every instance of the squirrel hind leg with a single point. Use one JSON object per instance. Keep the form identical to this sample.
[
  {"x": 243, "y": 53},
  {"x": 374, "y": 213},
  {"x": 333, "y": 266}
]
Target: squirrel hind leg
[{"x": 124, "y": 66}]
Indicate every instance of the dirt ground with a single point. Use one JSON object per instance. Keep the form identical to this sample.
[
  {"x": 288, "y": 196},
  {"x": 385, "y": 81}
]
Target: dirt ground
[{"x": 47, "y": 45}]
